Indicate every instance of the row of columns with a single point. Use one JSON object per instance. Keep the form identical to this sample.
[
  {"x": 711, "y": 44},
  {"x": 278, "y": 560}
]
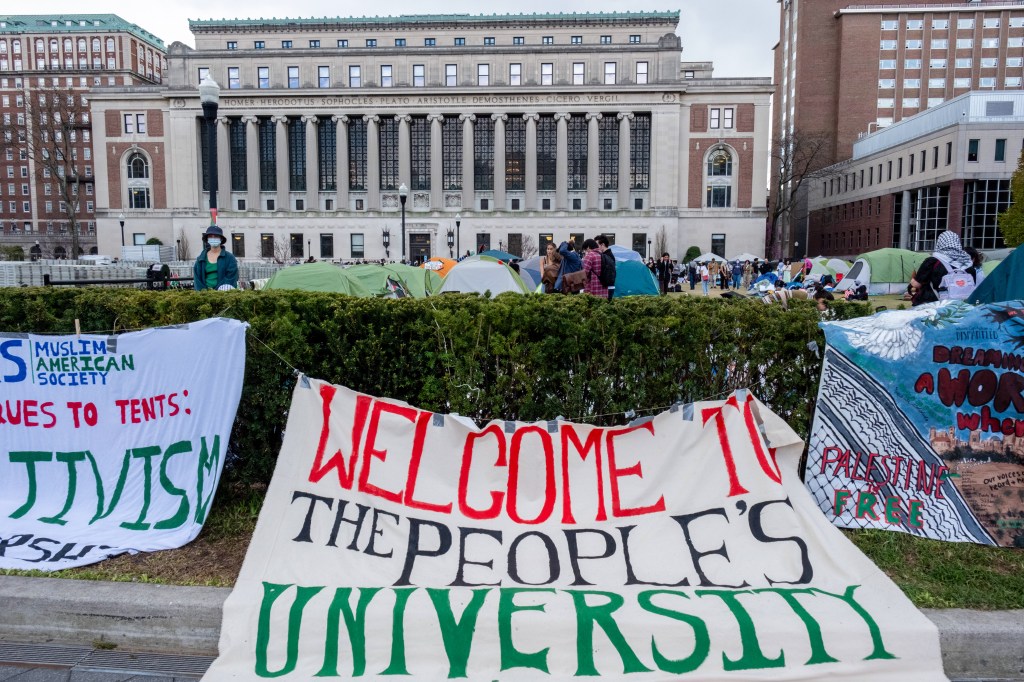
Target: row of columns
[{"x": 436, "y": 163}]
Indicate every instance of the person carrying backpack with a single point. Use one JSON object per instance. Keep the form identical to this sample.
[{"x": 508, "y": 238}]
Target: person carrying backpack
[
  {"x": 949, "y": 273},
  {"x": 607, "y": 274},
  {"x": 592, "y": 266}
]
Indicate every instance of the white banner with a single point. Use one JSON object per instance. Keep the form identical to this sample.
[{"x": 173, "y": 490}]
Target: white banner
[
  {"x": 113, "y": 444},
  {"x": 397, "y": 542}
]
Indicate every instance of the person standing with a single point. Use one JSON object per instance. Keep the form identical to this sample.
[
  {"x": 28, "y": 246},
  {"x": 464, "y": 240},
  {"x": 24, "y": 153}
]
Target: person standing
[
  {"x": 663, "y": 270},
  {"x": 726, "y": 273},
  {"x": 748, "y": 274},
  {"x": 570, "y": 263},
  {"x": 713, "y": 271},
  {"x": 692, "y": 272},
  {"x": 592, "y": 266},
  {"x": 214, "y": 267},
  {"x": 705, "y": 277}
]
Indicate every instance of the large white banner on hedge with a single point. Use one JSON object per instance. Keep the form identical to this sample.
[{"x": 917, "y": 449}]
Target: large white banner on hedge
[
  {"x": 113, "y": 444},
  {"x": 399, "y": 543}
]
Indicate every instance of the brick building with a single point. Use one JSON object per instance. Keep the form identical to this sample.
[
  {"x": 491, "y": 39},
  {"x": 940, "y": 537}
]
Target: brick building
[
  {"x": 43, "y": 58},
  {"x": 845, "y": 69}
]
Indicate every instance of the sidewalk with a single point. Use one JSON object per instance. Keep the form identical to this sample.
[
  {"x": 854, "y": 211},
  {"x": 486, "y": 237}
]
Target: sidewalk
[{"x": 186, "y": 620}]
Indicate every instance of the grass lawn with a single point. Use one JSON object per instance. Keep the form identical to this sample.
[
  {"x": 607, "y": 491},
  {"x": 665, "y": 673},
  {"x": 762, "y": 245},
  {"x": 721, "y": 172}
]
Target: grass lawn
[{"x": 933, "y": 574}]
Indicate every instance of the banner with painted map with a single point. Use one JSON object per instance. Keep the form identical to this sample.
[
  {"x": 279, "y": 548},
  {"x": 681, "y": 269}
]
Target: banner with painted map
[
  {"x": 113, "y": 443},
  {"x": 919, "y": 425},
  {"x": 398, "y": 543}
]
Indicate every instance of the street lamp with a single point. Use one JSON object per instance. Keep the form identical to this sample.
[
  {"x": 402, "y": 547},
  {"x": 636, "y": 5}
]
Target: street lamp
[
  {"x": 121, "y": 219},
  {"x": 648, "y": 248},
  {"x": 309, "y": 248},
  {"x": 403, "y": 194},
  {"x": 451, "y": 242},
  {"x": 209, "y": 97},
  {"x": 458, "y": 232},
  {"x": 387, "y": 242}
]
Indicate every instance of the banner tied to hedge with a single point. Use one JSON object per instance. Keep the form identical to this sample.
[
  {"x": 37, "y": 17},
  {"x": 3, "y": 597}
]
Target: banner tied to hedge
[
  {"x": 113, "y": 444},
  {"x": 919, "y": 423},
  {"x": 396, "y": 543}
]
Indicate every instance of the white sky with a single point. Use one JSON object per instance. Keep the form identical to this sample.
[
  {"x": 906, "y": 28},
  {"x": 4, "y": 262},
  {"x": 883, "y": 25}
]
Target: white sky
[{"x": 737, "y": 35}]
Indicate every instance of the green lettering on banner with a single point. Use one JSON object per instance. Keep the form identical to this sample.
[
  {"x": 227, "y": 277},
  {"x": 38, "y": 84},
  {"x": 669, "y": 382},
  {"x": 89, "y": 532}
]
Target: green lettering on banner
[
  {"x": 271, "y": 591},
  {"x": 355, "y": 625},
  {"x": 878, "y": 652},
  {"x": 752, "y": 656},
  {"x": 118, "y": 489},
  {"x": 208, "y": 460},
  {"x": 586, "y": 616},
  {"x": 457, "y": 634},
  {"x": 818, "y": 652},
  {"x": 72, "y": 459},
  {"x": 146, "y": 454},
  {"x": 510, "y": 656},
  {"x": 398, "y": 665},
  {"x": 180, "y": 516},
  {"x": 701, "y": 638},
  {"x": 29, "y": 459}
]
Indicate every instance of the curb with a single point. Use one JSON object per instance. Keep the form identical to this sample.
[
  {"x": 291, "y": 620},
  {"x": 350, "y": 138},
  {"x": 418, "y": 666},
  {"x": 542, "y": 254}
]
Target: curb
[{"x": 186, "y": 620}]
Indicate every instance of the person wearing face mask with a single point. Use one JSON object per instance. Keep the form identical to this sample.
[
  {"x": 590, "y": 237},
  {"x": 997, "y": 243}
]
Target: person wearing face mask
[{"x": 215, "y": 267}]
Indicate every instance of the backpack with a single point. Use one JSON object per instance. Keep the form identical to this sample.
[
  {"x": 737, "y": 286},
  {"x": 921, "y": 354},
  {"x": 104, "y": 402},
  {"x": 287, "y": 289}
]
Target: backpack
[
  {"x": 607, "y": 274},
  {"x": 957, "y": 283}
]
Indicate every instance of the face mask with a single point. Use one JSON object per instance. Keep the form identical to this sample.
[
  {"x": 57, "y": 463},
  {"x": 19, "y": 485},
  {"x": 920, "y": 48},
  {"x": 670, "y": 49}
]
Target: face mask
[{"x": 213, "y": 241}]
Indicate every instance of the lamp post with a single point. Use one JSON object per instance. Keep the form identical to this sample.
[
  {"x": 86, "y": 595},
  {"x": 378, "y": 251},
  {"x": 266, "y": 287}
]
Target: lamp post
[
  {"x": 458, "y": 232},
  {"x": 209, "y": 97},
  {"x": 177, "y": 252},
  {"x": 451, "y": 242},
  {"x": 121, "y": 220},
  {"x": 648, "y": 248},
  {"x": 387, "y": 242},
  {"x": 403, "y": 194},
  {"x": 309, "y": 248}
]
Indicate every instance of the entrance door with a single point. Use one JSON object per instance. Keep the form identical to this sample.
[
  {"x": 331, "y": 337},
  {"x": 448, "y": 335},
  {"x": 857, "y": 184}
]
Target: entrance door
[{"x": 419, "y": 248}]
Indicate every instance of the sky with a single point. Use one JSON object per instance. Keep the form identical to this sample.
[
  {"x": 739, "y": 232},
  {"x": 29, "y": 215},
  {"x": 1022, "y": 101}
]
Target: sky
[{"x": 737, "y": 35}]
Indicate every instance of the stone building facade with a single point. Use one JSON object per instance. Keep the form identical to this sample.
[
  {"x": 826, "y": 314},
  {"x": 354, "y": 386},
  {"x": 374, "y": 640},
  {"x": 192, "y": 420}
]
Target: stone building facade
[{"x": 507, "y": 131}]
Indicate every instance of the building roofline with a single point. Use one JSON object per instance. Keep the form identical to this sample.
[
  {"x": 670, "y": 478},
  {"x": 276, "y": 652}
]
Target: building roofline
[
  {"x": 17, "y": 24},
  {"x": 969, "y": 6}
]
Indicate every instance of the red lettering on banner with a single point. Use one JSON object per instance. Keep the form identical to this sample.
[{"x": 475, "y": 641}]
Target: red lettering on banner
[
  {"x": 769, "y": 466},
  {"x": 467, "y": 460},
  {"x": 337, "y": 462},
  {"x": 593, "y": 443},
  {"x": 615, "y": 473},
  {"x": 422, "y": 422},
  {"x": 550, "y": 490},
  {"x": 370, "y": 452}
]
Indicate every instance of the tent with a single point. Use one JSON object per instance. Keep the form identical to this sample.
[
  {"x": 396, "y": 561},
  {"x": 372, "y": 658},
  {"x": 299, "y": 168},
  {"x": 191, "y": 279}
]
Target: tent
[
  {"x": 1005, "y": 283},
  {"x": 481, "y": 276},
  {"x": 885, "y": 271},
  {"x": 707, "y": 258},
  {"x": 743, "y": 257},
  {"x": 530, "y": 266},
  {"x": 321, "y": 276},
  {"x": 418, "y": 282},
  {"x": 633, "y": 278},
  {"x": 439, "y": 265},
  {"x": 621, "y": 254},
  {"x": 988, "y": 266},
  {"x": 837, "y": 265},
  {"x": 500, "y": 255}
]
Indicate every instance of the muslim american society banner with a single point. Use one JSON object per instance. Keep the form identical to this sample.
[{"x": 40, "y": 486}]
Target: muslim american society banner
[
  {"x": 396, "y": 542},
  {"x": 113, "y": 444}
]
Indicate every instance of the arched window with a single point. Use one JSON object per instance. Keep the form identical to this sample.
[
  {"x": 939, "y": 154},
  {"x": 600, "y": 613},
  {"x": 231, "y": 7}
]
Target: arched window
[
  {"x": 67, "y": 44},
  {"x": 95, "y": 44},
  {"x": 137, "y": 172},
  {"x": 39, "y": 44},
  {"x": 110, "y": 44},
  {"x": 719, "y": 178},
  {"x": 720, "y": 163},
  {"x": 81, "y": 44},
  {"x": 138, "y": 169}
]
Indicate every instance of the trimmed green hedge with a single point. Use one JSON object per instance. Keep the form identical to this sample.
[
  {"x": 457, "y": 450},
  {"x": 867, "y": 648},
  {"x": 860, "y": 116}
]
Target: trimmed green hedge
[{"x": 513, "y": 357}]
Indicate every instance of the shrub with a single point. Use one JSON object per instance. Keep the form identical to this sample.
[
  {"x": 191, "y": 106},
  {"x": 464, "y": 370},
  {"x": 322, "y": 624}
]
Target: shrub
[
  {"x": 512, "y": 357},
  {"x": 691, "y": 253}
]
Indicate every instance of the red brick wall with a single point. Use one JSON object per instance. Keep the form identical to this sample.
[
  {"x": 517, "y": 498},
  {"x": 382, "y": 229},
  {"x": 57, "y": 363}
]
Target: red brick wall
[
  {"x": 743, "y": 165},
  {"x": 955, "y": 218},
  {"x": 112, "y": 123},
  {"x": 695, "y": 177},
  {"x": 154, "y": 123},
  {"x": 746, "y": 169},
  {"x": 872, "y": 227},
  {"x": 698, "y": 118},
  {"x": 745, "y": 118},
  {"x": 158, "y": 176}
]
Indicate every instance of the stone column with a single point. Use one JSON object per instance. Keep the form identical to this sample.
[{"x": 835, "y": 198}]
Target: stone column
[
  {"x": 223, "y": 166},
  {"x": 436, "y": 163},
  {"x": 906, "y": 208},
  {"x": 404, "y": 152},
  {"x": 468, "y": 194},
  {"x": 624, "y": 161},
  {"x": 281, "y": 132},
  {"x": 499, "y": 161},
  {"x": 531, "y": 161},
  {"x": 562, "y": 162},
  {"x": 593, "y": 161},
  {"x": 341, "y": 157},
  {"x": 312, "y": 162},
  {"x": 252, "y": 162},
  {"x": 372, "y": 163}
]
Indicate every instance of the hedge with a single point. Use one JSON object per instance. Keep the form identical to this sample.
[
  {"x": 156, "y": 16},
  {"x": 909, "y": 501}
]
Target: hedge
[{"x": 512, "y": 357}]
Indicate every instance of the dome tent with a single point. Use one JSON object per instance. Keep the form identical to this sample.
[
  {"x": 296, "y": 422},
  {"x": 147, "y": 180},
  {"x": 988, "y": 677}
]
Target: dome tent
[
  {"x": 885, "y": 271},
  {"x": 633, "y": 278},
  {"x": 321, "y": 276},
  {"x": 482, "y": 276}
]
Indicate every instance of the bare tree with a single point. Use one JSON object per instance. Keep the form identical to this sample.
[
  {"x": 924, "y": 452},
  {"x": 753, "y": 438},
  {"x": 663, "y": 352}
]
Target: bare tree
[
  {"x": 529, "y": 247},
  {"x": 661, "y": 243},
  {"x": 184, "y": 248},
  {"x": 797, "y": 160}
]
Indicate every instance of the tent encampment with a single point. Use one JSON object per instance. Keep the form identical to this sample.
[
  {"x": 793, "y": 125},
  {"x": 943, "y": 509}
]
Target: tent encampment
[
  {"x": 439, "y": 265},
  {"x": 321, "y": 276},
  {"x": 707, "y": 258},
  {"x": 1005, "y": 283},
  {"x": 885, "y": 271},
  {"x": 838, "y": 265},
  {"x": 481, "y": 276},
  {"x": 621, "y": 254},
  {"x": 418, "y": 282},
  {"x": 744, "y": 257},
  {"x": 633, "y": 278},
  {"x": 500, "y": 255}
]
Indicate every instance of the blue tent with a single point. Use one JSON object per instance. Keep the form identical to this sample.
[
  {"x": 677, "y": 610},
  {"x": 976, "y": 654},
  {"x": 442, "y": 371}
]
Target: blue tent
[
  {"x": 500, "y": 255},
  {"x": 633, "y": 278},
  {"x": 1005, "y": 283}
]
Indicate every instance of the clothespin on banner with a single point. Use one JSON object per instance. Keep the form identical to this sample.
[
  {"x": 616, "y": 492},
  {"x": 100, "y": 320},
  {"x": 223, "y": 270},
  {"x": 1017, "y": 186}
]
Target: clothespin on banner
[{"x": 78, "y": 328}]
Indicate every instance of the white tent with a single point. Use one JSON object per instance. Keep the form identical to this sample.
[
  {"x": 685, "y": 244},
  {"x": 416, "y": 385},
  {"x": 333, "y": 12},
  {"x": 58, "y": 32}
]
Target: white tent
[
  {"x": 481, "y": 276},
  {"x": 708, "y": 257},
  {"x": 622, "y": 253},
  {"x": 746, "y": 257},
  {"x": 838, "y": 265}
]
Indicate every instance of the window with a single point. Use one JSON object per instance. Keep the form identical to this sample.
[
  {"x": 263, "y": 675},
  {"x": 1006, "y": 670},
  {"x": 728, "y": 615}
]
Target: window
[
  {"x": 518, "y": 40},
  {"x": 355, "y": 77},
  {"x": 965, "y": 23},
  {"x": 609, "y": 73},
  {"x": 912, "y": 63},
  {"x": 972, "y": 150},
  {"x": 937, "y": 63},
  {"x": 356, "y": 244},
  {"x": 886, "y": 83},
  {"x": 989, "y": 43},
  {"x": 293, "y": 76},
  {"x": 1014, "y": 62},
  {"x": 418, "y": 78},
  {"x": 137, "y": 171},
  {"x": 386, "y": 81},
  {"x": 885, "y": 102},
  {"x": 547, "y": 40},
  {"x": 232, "y": 45},
  {"x": 886, "y": 64},
  {"x": 129, "y": 125},
  {"x": 371, "y": 42},
  {"x": 483, "y": 74},
  {"x": 915, "y": 24},
  {"x": 515, "y": 74},
  {"x": 259, "y": 44},
  {"x": 911, "y": 83},
  {"x": 716, "y": 118},
  {"x": 1015, "y": 42},
  {"x": 727, "y": 116},
  {"x": 964, "y": 63},
  {"x": 719, "y": 196},
  {"x": 914, "y": 44},
  {"x": 399, "y": 42},
  {"x": 634, "y": 39},
  {"x": 940, "y": 24},
  {"x": 451, "y": 72},
  {"x": 1000, "y": 150},
  {"x": 234, "y": 80},
  {"x": 964, "y": 43},
  {"x": 578, "y": 73},
  {"x": 987, "y": 82},
  {"x": 940, "y": 44},
  {"x": 911, "y": 102},
  {"x": 323, "y": 74},
  {"x": 489, "y": 41},
  {"x": 720, "y": 164},
  {"x": 460, "y": 42},
  {"x": 888, "y": 45},
  {"x": 961, "y": 82},
  {"x": 991, "y": 22},
  {"x": 429, "y": 42},
  {"x": 1016, "y": 22},
  {"x": 1013, "y": 81},
  {"x": 263, "y": 77},
  {"x": 641, "y": 73},
  {"x": 341, "y": 42},
  {"x": 890, "y": 25},
  {"x": 936, "y": 83},
  {"x": 204, "y": 73},
  {"x": 576, "y": 40},
  {"x": 287, "y": 44}
]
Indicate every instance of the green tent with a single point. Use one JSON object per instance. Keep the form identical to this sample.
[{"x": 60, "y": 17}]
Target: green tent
[
  {"x": 633, "y": 278},
  {"x": 1005, "y": 283},
  {"x": 885, "y": 271},
  {"x": 322, "y": 276},
  {"x": 418, "y": 282}
]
